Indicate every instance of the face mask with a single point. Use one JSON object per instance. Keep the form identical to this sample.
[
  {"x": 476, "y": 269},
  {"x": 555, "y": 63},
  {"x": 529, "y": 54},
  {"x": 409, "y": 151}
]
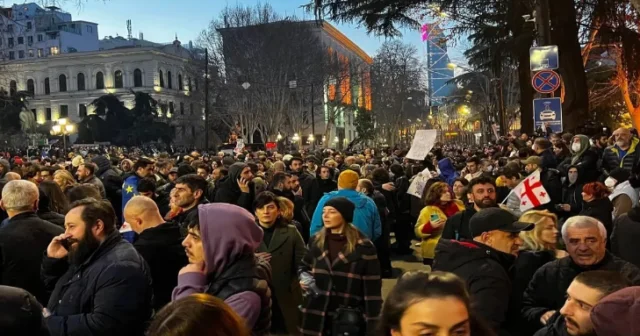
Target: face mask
[
  {"x": 610, "y": 182},
  {"x": 573, "y": 177},
  {"x": 575, "y": 147}
]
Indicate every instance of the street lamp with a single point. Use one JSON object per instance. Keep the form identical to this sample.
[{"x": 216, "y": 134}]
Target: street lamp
[
  {"x": 62, "y": 127},
  {"x": 279, "y": 136},
  {"x": 246, "y": 85},
  {"x": 311, "y": 138},
  {"x": 295, "y": 137}
]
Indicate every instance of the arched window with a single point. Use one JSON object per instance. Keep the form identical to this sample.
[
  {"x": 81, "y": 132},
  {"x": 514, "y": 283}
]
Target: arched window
[
  {"x": 137, "y": 78},
  {"x": 169, "y": 82},
  {"x": 80, "y": 78},
  {"x": 99, "y": 80},
  {"x": 117, "y": 79},
  {"x": 180, "y": 86},
  {"x": 31, "y": 87},
  {"x": 62, "y": 80},
  {"x": 13, "y": 88},
  {"x": 189, "y": 83},
  {"x": 161, "y": 78},
  {"x": 47, "y": 87}
]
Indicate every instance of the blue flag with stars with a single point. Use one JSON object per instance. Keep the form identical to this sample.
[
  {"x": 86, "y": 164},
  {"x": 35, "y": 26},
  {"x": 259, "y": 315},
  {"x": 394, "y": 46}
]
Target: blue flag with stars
[{"x": 129, "y": 189}]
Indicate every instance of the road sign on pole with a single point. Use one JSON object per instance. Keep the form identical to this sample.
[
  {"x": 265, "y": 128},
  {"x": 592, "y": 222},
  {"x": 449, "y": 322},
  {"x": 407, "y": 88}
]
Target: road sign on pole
[
  {"x": 546, "y": 81},
  {"x": 548, "y": 110},
  {"x": 544, "y": 58}
]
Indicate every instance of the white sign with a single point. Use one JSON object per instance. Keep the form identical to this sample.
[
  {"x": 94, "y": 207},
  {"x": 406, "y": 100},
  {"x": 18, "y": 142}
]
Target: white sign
[
  {"x": 239, "y": 146},
  {"x": 422, "y": 144},
  {"x": 418, "y": 184}
]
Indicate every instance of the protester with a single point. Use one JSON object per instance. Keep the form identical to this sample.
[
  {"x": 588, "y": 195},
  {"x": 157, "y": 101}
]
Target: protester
[
  {"x": 141, "y": 169},
  {"x": 198, "y": 314},
  {"x": 572, "y": 201},
  {"x": 435, "y": 303},
  {"x": 473, "y": 169},
  {"x": 366, "y": 217},
  {"x": 617, "y": 313},
  {"x": 549, "y": 177},
  {"x": 159, "y": 243},
  {"x": 539, "y": 247},
  {"x": 52, "y": 204},
  {"x": 189, "y": 193},
  {"x": 597, "y": 204},
  {"x": 99, "y": 283},
  {"x": 86, "y": 175},
  {"x": 21, "y": 313},
  {"x": 64, "y": 180},
  {"x": 448, "y": 173},
  {"x": 584, "y": 292},
  {"x": 439, "y": 206},
  {"x": 585, "y": 238},
  {"x": 346, "y": 272},
  {"x": 23, "y": 239},
  {"x": 382, "y": 244},
  {"x": 224, "y": 266},
  {"x": 625, "y": 236},
  {"x": 623, "y": 196},
  {"x": 544, "y": 150},
  {"x": 325, "y": 179},
  {"x": 622, "y": 154},
  {"x": 284, "y": 248},
  {"x": 235, "y": 188},
  {"x": 460, "y": 189},
  {"x": 483, "y": 263},
  {"x": 83, "y": 191},
  {"x": 583, "y": 158},
  {"x": 482, "y": 193}
]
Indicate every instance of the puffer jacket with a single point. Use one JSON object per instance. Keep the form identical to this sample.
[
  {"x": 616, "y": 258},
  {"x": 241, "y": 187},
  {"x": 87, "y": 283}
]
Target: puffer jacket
[{"x": 611, "y": 159}]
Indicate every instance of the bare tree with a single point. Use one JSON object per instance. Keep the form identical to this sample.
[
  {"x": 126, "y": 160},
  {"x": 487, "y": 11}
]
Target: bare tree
[{"x": 396, "y": 72}]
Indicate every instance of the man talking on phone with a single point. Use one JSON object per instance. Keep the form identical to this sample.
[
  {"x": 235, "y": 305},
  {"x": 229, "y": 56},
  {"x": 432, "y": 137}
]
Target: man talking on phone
[{"x": 236, "y": 188}]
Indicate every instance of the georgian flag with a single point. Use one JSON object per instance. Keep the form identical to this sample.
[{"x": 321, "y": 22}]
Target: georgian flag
[{"x": 531, "y": 192}]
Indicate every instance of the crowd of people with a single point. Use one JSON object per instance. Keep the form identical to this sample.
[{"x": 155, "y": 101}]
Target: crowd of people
[{"x": 102, "y": 242}]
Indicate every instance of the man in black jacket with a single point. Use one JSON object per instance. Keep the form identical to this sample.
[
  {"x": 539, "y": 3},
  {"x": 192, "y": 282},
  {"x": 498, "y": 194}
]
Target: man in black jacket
[
  {"x": 24, "y": 239},
  {"x": 484, "y": 262},
  {"x": 544, "y": 149},
  {"x": 482, "y": 193},
  {"x": 310, "y": 187},
  {"x": 101, "y": 285},
  {"x": 236, "y": 187},
  {"x": 160, "y": 244},
  {"x": 585, "y": 291},
  {"x": 585, "y": 238},
  {"x": 550, "y": 178},
  {"x": 188, "y": 193},
  {"x": 112, "y": 181}
]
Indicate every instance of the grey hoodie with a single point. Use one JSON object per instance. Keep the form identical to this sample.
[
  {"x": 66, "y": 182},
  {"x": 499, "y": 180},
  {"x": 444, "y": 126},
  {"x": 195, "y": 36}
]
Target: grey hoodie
[{"x": 228, "y": 232}]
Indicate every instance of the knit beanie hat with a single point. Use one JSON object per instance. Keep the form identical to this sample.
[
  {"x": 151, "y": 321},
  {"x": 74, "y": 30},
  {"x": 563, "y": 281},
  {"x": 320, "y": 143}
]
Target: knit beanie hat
[
  {"x": 344, "y": 206},
  {"x": 348, "y": 179},
  {"x": 617, "y": 313},
  {"x": 620, "y": 175}
]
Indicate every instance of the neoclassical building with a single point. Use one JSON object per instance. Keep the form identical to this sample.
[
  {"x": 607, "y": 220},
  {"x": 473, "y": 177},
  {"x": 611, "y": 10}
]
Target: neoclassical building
[{"x": 64, "y": 85}]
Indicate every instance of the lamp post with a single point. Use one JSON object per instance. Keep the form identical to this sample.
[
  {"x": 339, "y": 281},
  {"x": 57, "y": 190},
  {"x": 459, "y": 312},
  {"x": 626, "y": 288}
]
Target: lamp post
[{"x": 62, "y": 127}]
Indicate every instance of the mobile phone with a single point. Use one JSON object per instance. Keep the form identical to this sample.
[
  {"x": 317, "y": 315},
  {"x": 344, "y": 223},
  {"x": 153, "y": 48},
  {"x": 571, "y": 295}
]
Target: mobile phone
[
  {"x": 66, "y": 243},
  {"x": 434, "y": 218}
]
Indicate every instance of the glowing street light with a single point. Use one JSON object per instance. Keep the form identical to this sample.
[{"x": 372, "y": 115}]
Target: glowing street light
[
  {"x": 295, "y": 137},
  {"x": 279, "y": 137}
]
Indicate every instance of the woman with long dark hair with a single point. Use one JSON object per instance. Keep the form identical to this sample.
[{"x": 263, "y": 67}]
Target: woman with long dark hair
[
  {"x": 435, "y": 303},
  {"x": 341, "y": 275},
  {"x": 53, "y": 204}
]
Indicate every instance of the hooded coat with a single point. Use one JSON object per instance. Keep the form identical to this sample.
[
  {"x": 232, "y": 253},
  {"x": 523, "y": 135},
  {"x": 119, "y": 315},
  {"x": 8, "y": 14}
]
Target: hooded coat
[
  {"x": 485, "y": 271},
  {"x": 617, "y": 313},
  {"x": 625, "y": 236},
  {"x": 111, "y": 180},
  {"x": 232, "y": 273},
  {"x": 447, "y": 172},
  {"x": 586, "y": 160},
  {"x": 229, "y": 191},
  {"x": 365, "y": 217}
]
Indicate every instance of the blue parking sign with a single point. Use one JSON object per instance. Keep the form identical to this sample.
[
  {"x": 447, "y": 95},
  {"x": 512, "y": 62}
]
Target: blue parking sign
[
  {"x": 548, "y": 110},
  {"x": 544, "y": 58}
]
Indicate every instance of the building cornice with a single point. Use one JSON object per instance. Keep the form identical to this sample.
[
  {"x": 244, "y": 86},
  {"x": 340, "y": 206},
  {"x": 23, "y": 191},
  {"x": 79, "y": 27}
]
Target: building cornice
[{"x": 345, "y": 41}]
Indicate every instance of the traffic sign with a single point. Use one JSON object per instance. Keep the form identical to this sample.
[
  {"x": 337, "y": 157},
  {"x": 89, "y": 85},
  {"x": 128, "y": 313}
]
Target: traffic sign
[
  {"x": 548, "y": 110},
  {"x": 544, "y": 58},
  {"x": 546, "y": 81}
]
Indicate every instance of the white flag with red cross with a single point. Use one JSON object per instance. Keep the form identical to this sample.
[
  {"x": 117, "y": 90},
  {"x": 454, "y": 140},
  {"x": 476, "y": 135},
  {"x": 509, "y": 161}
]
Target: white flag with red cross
[{"x": 531, "y": 192}]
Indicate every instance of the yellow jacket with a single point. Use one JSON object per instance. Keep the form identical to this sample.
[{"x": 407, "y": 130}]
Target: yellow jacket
[{"x": 430, "y": 236}]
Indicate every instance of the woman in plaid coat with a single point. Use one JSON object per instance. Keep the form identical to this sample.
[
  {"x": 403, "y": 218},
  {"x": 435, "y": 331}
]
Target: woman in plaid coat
[{"x": 345, "y": 267}]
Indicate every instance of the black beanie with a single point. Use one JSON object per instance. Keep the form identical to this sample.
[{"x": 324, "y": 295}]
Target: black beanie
[
  {"x": 344, "y": 206},
  {"x": 620, "y": 175}
]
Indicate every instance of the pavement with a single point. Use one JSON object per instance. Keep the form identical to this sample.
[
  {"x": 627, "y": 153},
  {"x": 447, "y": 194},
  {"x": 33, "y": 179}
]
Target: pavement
[{"x": 403, "y": 264}]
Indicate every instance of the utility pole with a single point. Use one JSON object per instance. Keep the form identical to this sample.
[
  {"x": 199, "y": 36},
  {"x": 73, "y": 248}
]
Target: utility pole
[
  {"x": 313, "y": 119},
  {"x": 206, "y": 99}
]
